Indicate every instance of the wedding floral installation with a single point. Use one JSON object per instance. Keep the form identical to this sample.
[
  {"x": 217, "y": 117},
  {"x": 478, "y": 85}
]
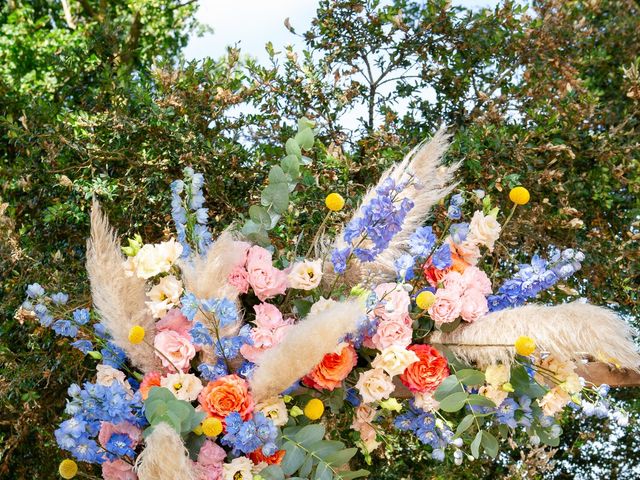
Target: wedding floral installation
[{"x": 231, "y": 359}]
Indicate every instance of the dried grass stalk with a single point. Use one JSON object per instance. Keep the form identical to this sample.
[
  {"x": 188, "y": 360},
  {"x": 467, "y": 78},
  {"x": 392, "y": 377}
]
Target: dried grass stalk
[{"x": 164, "y": 457}]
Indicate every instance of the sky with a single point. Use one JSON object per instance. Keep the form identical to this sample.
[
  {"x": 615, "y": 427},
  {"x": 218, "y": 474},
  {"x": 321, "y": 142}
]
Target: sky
[{"x": 252, "y": 23}]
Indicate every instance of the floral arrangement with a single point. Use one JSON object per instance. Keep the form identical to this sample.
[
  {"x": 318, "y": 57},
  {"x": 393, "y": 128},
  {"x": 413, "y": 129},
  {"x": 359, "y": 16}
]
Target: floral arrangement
[{"x": 217, "y": 359}]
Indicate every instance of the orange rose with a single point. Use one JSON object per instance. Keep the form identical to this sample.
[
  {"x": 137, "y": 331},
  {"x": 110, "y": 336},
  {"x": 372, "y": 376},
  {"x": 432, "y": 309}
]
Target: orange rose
[
  {"x": 258, "y": 457},
  {"x": 428, "y": 372},
  {"x": 225, "y": 395},
  {"x": 333, "y": 369},
  {"x": 150, "y": 380},
  {"x": 432, "y": 274}
]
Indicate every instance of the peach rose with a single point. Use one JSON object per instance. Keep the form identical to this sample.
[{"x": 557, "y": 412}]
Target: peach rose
[
  {"x": 464, "y": 254},
  {"x": 118, "y": 470},
  {"x": 476, "y": 279},
  {"x": 446, "y": 307},
  {"x": 333, "y": 369},
  {"x": 225, "y": 395},
  {"x": 484, "y": 230},
  {"x": 174, "y": 350},
  {"x": 150, "y": 380},
  {"x": 474, "y": 306},
  {"x": 428, "y": 372},
  {"x": 454, "y": 282},
  {"x": 374, "y": 385}
]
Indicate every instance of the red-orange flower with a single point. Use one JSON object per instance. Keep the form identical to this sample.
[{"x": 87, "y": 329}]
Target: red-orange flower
[
  {"x": 259, "y": 457},
  {"x": 333, "y": 369},
  {"x": 225, "y": 395},
  {"x": 428, "y": 372},
  {"x": 432, "y": 274},
  {"x": 151, "y": 379}
]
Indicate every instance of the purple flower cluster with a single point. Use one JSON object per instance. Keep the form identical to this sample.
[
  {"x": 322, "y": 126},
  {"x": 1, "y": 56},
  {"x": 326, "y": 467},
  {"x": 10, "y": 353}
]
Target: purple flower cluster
[
  {"x": 248, "y": 436},
  {"x": 425, "y": 427},
  {"x": 191, "y": 224},
  {"x": 535, "y": 277},
  {"x": 381, "y": 219}
]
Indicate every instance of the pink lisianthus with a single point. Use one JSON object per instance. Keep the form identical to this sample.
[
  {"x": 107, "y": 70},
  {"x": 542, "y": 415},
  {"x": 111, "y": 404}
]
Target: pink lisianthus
[
  {"x": 118, "y": 470},
  {"x": 474, "y": 305},
  {"x": 392, "y": 332},
  {"x": 266, "y": 280},
  {"x": 210, "y": 460},
  {"x": 174, "y": 320},
  {"x": 108, "y": 429},
  {"x": 476, "y": 279},
  {"x": 177, "y": 348},
  {"x": 446, "y": 308}
]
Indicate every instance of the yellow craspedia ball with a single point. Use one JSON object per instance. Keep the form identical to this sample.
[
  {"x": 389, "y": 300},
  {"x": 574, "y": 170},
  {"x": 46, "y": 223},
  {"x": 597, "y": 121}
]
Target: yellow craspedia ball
[
  {"x": 198, "y": 430},
  {"x": 519, "y": 195},
  {"x": 68, "y": 468},
  {"x": 425, "y": 299},
  {"x": 525, "y": 346},
  {"x": 136, "y": 334},
  {"x": 212, "y": 427},
  {"x": 334, "y": 202},
  {"x": 314, "y": 409}
]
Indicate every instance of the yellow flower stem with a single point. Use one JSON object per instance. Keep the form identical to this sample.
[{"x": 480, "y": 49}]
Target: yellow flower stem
[{"x": 513, "y": 209}]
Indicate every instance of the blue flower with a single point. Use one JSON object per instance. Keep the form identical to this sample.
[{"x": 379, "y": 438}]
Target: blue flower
[
  {"x": 421, "y": 242},
  {"x": 454, "y": 213},
  {"x": 65, "y": 328},
  {"x": 226, "y": 312},
  {"x": 200, "y": 334},
  {"x": 229, "y": 347},
  {"x": 202, "y": 215},
  {"x": 35, "y": 290},
  {"x": 246, "y": 369},
  {"x": 506, "y": 412},
  {"x": 59, "y": 298},
  {"x": 250, "y": 435},
  {"x": 352, "y": 397},
  {"x": 211, "y": 372},
  {"x": 339, "y": 259},
  {"x": 404, "y": 267},
  {"x": 459, "y": 232},
  {"x": 101, "y": 331},
  {"x": 84, "y": 346},
  {"x": 120, "y": 444},
  {"x": 190, "y": 306},
  {"x": 457, "y": 200},
  {"x": 177, "y": 186},
  {"x": 81, "y": 316},
  {"x": 441, "y": 259},
  {"x": 113, "y": 355}
]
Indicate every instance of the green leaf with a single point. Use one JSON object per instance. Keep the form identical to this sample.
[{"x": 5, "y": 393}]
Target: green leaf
[
  {"x": 464, "y": 425},
  {"x": 304, "y": 122},
  {"x": 306, "y": 467},
  {"x": 447, "y": 387},
  {"x": 276, "y": 196},
  {"x": 291, "y": 165},
  {"x": 160, "y": 393},
  {"x": 277, "y": 175},
  {"x": 182, "y": 409},
  {"x": 304, "y": 138},
  {"x": 293, "y": 459},
  {"x": 310, "y": 434},
  {"x": 323, "y": 472},
  {"x": 302, "y": 307},
  {"x": 354, "y": 474},
  {"x": 453, "y": 402},
  {"x": 475, "y": 445},
  {"x": 451, "y": 326},
  {"x": 523, "y": 384},
  {"x": 469, "y": 376},
  {"x": 322, "y": 448},
  {"x": 481, "y": 400},
  {"x": 341, "y": 457},
  {"x": 292, "y": 148},
  {"x": 260, "y": 215},
  {"x": 490, "y": 444},
  {"x": 154, "y": 408},
  {"x": 272, "y": 472},
  {"x": 170, "y": 419}
]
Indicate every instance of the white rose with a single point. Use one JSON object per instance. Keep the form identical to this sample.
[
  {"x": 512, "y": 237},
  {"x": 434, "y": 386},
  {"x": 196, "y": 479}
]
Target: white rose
[
  {"x": 164, "y": 295},
  {"x": 184, "y": 386},
  {"x": 275, "y": 409},
  {"x": 147, "y": 262},
  {"x": 484, "y": 230},
  {"x": 239, "y": 469},
  {"x": 168, "y": 253},
  {"x": 394, "y": 359},
  {"x": 321, "y": 305},
  {"x": 497, "y": 375},
  {"x": 374, "y": 385},
  {"x": 426, "y": 402},
  {"x": 305, "y": 275}
]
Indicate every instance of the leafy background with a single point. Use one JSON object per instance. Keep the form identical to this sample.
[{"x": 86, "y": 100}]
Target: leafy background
[{"x": 100, "y": 101}]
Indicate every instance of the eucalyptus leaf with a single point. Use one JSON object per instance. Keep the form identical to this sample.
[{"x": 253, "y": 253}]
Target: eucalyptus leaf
[
  {"x": 277, "y": 175},
  {"x": 310, "y": 434},
  {"x": 323, "y": 472},
  {"x": 464, "y": 424},
  {"x": 353, "y": 474},
  {"x": 475, "y": 445},
  {"x": 272, "y": 472},
  {"x": 341, "y": 457},
  {"x": 304, "y": 138},
  {"x": 453, "y": 402},
  {"x": 480, "y": 400},
  {"x": 291, "y": 165},
  {"x": 293, "y": 459},
  {"x": 490, "y": 444},
  {"x": 447, "y": 387},
  {"x": 276, "y": 196},
  {"x": 260, "y": 216},
  {"x": 469, "y": 376},
  {"x": 292, "y": 148}
]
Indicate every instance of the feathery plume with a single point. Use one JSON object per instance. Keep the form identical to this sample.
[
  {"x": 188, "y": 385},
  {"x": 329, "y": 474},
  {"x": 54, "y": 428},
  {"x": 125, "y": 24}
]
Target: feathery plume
[
  {"x": 118, "y": 299},
  {"x": 164, "y": 457},
  {"x": 572, "y": 331},
  {"x": 303, "y": 348}
]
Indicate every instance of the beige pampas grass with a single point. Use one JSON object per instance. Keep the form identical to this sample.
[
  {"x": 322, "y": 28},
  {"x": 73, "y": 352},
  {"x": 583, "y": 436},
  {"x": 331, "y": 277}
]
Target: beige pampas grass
[
  {"x": 303, "y": 348},
  {"x": 432, "y": 180},
  {"x": 118, "y": 299},
  {"x": 164, "y": 457},
  {"x": 571, "y": 331}
]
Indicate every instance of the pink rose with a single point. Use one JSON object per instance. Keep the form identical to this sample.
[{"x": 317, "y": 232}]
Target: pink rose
[
  {"x": 474, "y": 305},
  {"x": 393, "y": 301},
  {"x": 268, "y": 316},
  {"x": 175, "y": 347},
  {"x": 476, "y": 279},
  {"x": 265, "y": 280},
  {"x": 446, "y": 307},
  {"x": 118, "y": 470},
  {"x": 263, "y": 339},
  {"x": 107, "y": 429},
  {"x": 392, "y": 332},
  {"x": 454, "y": 282},
  {"x": 211, "y": 454},
  {"x": 176, "y": 321},
  {"x": 239, "y": 278}
]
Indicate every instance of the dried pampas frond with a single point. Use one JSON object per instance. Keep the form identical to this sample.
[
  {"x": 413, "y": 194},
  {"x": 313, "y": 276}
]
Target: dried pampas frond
[
  {"x": 118, "y": 299},
  {"x": 164, "y": 457},
  {"x": 303, "y": 348},
  {"x": 432, "y": 182},
  {"x": 571, "y": 331}
]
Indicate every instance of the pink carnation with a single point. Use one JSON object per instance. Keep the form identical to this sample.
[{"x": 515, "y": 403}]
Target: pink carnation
[
  {"x": 108, "y": 429},
  {"x": 265, "y": 280},
  {"x": 446, "y": 307},
  {"x": 474, "y": 305},
  {"x": 476, "y": 279},
  {"x": 392, "y": 332},
  {"x": 268, "y": 316},
  {"x": 175, "y": 347},
  {"x": 239, "y": 278},
  {"x": 174, "y": 320},
  {"x": 118, "y": 470}
]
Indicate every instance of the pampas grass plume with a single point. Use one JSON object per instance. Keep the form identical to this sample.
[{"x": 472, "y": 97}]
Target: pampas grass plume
[{"x": 164, "y": 457}]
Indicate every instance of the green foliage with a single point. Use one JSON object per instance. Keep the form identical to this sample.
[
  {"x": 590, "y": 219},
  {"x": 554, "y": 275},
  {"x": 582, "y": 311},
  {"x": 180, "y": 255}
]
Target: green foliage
[{"x": 161, "y": 406}]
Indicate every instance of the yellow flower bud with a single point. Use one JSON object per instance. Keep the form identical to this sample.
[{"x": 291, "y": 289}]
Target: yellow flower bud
[
  {"x": 198, "y": 430},
  {"x": 136, "y": 334},
  {"x": 314, "y": 409},
  {"x": 525, "y": 346},
  {"x": 68, "y": 468},
  {"x": 211, "y": 427},
  {"x": 507, "y": 387},
  {"x": 425, "y": 299},
  {"x": 334, "y": 202},
  {"x": 519, "y": 195},
  {"x": 295, "y": 411},
  {"x": 391, "y": 404}
]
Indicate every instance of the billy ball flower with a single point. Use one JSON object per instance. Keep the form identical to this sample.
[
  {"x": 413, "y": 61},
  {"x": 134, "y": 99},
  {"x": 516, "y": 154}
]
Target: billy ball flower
[
  {"x": 334, "y": 202},
  {"x": 136, "y": 334},
  {"x": 314, "y": 409},
  {"x": 211, "y": 427},
  {"x": 525, "y": 346},
  {"x": 68, "y": 468},
  {"x": 425, "y": 299},
  {"x": 519, "y": 195}
]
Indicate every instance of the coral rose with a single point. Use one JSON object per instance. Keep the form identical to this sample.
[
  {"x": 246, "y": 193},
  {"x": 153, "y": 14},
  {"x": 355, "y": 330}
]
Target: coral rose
[
  {"x": 226, "y": 395},
  {"x": 150, "y": 380},
  {"x": 428, "y": 372},
  {"x": 433, "y": 275},
  {"x": 333, "y": 369},
  {"x": 258, "y": 457}
]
